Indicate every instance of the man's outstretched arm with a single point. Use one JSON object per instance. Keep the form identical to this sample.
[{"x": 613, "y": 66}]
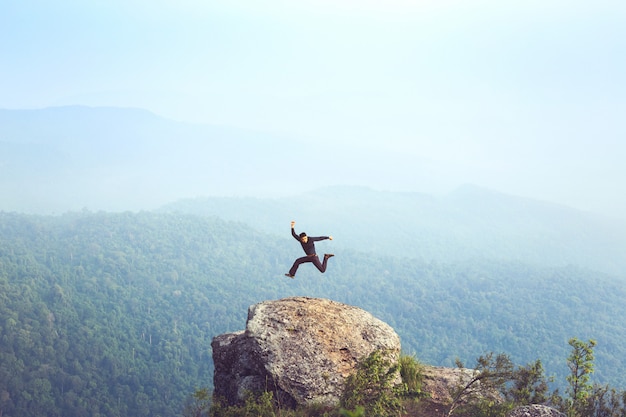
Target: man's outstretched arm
[
  {"x": 293, "y": 232},
  {"x": 318, "y": 238}
]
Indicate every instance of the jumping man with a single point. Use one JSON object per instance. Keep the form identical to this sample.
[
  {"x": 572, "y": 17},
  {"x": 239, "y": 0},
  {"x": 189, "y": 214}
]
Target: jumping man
[{"x": 308, "y": 244}]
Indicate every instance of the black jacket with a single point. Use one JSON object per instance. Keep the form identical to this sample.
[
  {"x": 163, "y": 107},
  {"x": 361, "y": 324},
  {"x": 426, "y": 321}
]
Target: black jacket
[{"x": 309, "y": 246}]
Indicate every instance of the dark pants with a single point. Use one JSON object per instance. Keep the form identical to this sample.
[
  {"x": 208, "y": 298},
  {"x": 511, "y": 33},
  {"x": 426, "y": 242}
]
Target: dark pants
[{"x": 305, "y": 259}]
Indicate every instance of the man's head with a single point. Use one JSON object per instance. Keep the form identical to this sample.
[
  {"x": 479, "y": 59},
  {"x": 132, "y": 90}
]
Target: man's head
[{"x": 303, "y": 237}]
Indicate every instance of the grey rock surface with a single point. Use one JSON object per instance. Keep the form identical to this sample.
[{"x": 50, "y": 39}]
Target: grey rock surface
[
  {"x": 535, "y": 410},
  {"x": 302, "y": 349}
]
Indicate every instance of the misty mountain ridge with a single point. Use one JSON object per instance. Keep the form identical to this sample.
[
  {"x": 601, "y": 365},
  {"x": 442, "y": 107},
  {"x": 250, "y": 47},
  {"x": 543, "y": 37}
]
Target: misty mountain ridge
[
  {"x": 69, "y": 158},
  {"x": 105, "y": 158},
  {"x": 470, "y": 223}
]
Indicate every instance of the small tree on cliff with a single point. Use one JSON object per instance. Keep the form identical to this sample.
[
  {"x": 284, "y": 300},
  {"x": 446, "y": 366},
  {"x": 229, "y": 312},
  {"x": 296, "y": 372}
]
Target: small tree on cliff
[
  {"x": 373, "y": 386},
  {"x": 580, "y": 363},
  {"x": 198, "y": 404},
  {"x": 487, "y": 379},
  {"x": 529, "y": 385}
]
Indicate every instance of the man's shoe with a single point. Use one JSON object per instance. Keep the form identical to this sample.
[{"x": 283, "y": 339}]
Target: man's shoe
[{"x": 290, "y": 276}]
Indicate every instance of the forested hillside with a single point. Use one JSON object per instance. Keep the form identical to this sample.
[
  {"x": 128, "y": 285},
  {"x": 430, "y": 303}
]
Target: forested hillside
[{"x": 113, "y": 314}]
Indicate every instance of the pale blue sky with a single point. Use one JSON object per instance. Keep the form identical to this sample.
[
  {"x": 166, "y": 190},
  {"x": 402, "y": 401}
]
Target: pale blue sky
[{"x": 526, "y": 97}]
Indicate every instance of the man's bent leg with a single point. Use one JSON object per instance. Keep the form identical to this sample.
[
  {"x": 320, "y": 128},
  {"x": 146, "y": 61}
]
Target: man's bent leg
[
  {"x": 319, "y": 265},
  {"x": 297, "y": 263}
]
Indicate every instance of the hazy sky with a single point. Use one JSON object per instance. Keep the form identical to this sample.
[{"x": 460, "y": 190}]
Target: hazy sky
[{"x": 526, "y": 97}]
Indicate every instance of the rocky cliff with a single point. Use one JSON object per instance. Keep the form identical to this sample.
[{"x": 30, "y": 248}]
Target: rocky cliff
[
  {"x": 535, "y": 410},
  {"x": 302, "y": 349}
]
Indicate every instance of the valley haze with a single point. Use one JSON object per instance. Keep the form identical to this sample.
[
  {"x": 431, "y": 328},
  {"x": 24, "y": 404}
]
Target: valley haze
[{"x": 103, "y": 158}]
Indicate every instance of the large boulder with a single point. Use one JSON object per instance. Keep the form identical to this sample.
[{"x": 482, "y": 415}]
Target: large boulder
[{"x": 302, "y": 349}]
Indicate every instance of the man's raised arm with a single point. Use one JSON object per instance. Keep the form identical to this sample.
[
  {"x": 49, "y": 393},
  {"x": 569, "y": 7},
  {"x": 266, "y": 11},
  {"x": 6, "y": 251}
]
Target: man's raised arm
[{"x": 293, "y": 232}]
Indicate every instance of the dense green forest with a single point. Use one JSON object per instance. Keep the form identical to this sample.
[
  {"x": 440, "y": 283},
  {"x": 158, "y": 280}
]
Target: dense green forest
[{"x": 107, "y": 314}]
